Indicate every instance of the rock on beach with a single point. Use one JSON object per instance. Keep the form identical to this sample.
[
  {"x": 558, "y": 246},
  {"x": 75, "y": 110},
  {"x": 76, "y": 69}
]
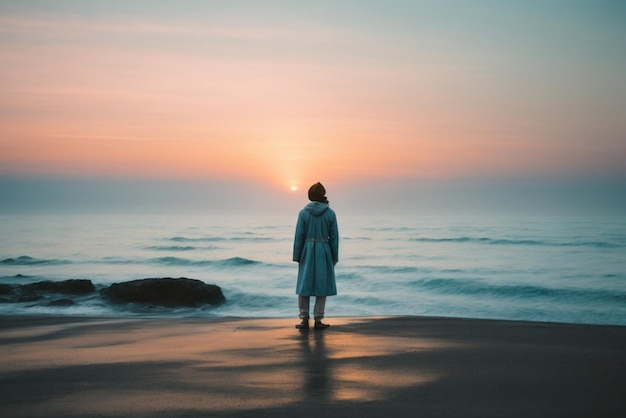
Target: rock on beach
[
  {"x": 36, "y": 291},
  {"x": 69, "y": 287},
  {"x": 169, "y": 292}
]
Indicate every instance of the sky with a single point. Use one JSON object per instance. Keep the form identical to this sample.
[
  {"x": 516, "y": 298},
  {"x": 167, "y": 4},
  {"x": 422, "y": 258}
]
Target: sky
[{"x": 241, "y": 105}]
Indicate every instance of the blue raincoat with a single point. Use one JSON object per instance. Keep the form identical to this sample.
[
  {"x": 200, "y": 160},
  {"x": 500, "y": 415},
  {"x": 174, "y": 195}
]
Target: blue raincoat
[{"x": 316, "y": 249}]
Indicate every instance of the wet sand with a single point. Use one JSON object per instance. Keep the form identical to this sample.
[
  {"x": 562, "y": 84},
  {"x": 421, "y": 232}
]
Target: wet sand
[{"x": 359, "y": 367}]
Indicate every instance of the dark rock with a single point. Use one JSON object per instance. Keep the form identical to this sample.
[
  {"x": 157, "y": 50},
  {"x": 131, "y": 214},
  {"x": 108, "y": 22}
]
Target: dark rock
[
  {"x": 165, "y": 292},
  {"x": 70, "y": 287},
  {"x": 61, "y": 302},
  {"x": 35, "y": 291}
]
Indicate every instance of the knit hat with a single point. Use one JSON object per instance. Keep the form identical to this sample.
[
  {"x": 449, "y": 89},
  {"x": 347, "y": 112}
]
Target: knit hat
[{"x": 317, "y": 193}]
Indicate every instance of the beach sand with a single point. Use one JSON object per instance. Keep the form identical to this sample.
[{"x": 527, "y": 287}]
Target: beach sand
[{"x": 365, "y": 367}]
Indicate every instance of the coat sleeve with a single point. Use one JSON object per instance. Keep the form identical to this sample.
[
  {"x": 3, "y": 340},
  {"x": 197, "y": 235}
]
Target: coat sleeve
[
  {"x": 334, "y": 239},
  {"x": 298, "y": 240}
]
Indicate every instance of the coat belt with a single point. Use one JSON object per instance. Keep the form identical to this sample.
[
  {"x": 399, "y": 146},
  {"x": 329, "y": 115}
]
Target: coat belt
[{"x": 316, "y": 239}]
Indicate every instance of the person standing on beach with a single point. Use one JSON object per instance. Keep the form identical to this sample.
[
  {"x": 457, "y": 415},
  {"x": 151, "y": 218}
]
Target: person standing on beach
[{"x": 316, "y": 250}]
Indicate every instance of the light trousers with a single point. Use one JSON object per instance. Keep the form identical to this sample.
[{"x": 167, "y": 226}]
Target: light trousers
[{"x": 318, "y": 310}]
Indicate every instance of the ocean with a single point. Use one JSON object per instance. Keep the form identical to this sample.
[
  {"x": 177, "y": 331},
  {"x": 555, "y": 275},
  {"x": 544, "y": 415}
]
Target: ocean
[{"x": 570, "y": 270}]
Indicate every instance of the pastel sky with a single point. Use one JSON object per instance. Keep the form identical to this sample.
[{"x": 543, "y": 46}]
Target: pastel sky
[{"x": 284, "y": 93}]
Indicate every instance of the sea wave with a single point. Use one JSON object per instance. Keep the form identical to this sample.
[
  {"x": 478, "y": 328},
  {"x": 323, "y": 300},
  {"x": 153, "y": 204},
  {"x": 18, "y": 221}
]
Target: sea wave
[
  {"x": 178, "y": 261},
  {"x": 477, "y": 288},
  {"x": 527, "y": 242},
  {"x": 241, "y": 302},
  {"x": 392, "y": 269},
  {"x": 25, "y": 260},
  {"x": 171, "y": 248},
  {"x": 237, "y": 261},
  {"x": 203, "y": 239},
  {"x": 228, "y": 262},
  {"x": 248, "y": 238}
]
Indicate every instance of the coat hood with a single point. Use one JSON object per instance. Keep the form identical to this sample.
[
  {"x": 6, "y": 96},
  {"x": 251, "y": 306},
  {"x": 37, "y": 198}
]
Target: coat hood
[{"x": 316, "y": 208}]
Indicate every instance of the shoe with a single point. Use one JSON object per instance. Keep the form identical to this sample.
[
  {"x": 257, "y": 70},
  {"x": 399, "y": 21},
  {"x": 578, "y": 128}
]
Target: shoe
[
  {"x": 304, "y": 324},
  {"x": 320, "y": 325}
]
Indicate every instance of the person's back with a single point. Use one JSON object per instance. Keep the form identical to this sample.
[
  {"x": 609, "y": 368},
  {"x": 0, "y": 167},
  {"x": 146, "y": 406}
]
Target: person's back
[{"x": 316, "y": 249}]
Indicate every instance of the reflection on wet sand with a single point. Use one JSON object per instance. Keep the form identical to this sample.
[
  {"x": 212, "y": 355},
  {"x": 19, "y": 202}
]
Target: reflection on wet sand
[
  {"x": 316, "y": 368},
  {"x": 342, "y": 366},
  {"x": 405, "y": 366},
  {"x": 206, "y": 365}
]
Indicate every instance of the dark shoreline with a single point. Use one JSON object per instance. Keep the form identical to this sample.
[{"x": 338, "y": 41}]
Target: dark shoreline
[{"x": 383, "y": 366}]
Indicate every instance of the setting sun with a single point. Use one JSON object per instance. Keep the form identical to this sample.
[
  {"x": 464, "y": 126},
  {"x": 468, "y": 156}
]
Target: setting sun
[{"x": 294, "y": 188}]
